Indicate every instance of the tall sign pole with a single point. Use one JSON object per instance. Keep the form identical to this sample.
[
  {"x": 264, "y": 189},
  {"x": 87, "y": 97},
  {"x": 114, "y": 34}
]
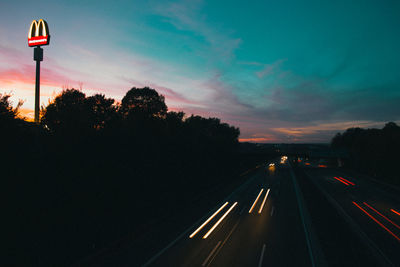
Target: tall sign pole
[
  {"x": 38, "y": 35},
  {"x": 37, "y": 56}
]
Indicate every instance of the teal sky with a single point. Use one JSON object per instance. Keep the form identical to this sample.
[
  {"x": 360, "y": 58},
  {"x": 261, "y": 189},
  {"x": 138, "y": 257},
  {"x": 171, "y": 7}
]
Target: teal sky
[{"x": 282, "y": 71}]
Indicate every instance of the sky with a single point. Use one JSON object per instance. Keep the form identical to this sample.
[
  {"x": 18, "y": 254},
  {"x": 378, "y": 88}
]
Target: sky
[{"x": 281, "y": 71}]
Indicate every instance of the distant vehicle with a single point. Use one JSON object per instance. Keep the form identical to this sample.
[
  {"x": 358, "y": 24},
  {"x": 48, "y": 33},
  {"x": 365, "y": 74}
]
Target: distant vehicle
[{"x": 272, "y": 164}]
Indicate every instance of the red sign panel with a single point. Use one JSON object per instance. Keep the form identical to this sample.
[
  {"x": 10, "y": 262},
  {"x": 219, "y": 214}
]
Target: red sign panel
[{"x": 38, "y": 40}]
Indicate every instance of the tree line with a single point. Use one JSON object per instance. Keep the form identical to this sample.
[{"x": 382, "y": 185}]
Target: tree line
[
  {"x": 372, "y": 151},
  {"x": 84, "y": 173}
]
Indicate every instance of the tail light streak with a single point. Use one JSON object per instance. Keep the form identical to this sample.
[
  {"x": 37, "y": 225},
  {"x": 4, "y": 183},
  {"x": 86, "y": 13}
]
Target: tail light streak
[
  {"x": 346, "y": 180},
  {"x": 208, "y": 220},
  {"x": 396, "y": 212},
  {"x": 378, "y": 222},
  {"x": 341, "y": 181},
  {"x": 383, "y": 216},
  {"x": 219, "y": 221}
]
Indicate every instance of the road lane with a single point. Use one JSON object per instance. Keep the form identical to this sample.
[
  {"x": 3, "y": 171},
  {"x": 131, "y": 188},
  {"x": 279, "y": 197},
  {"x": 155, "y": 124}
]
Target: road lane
[
  {"x": 241, "y": 236},
  {"x": 366, "y": 205},
  {"x": 262, "y": 256},
  {"x": 277, "y": 236},
  {"x": 208, "y": 220},
  {"x": 193, "y": 253}
]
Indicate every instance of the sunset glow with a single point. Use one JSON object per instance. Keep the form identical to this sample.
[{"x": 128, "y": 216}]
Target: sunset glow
[{"x": 205, "y": 63}]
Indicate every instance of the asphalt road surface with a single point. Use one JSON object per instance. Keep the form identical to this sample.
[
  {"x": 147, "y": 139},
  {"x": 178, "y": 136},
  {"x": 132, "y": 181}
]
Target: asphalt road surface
[
  {"x": 351, "y": 209},
  {"x": 284, "y": 215},
  {"x": 260, "y": 225},
  {"x": 311, "y": 216}
]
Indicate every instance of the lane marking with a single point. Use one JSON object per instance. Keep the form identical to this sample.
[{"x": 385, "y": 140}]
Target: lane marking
[
  {"x": 392, "y": 210},
  {"x": 241, "y": 212},
  {"x": 373, "y": 248},
  {"x": 272, "y": 211},
  {"x": 263, "y": 203},
  {"x": 226, "y": 239},
  {"x": 173, "y": 242},
  {"x": 255, "y": 201},
  {"x": 347, "y": 180},
  {"x": 302, "y": 216},
  {"x": 219, "y": 221},
  {"x": 262, "y": 256},
  {"x": 378, "y": 222},
  {"x": 212, "y": 252},
  {"x": 208, "y": 220},
  {"x": 381, "y": 215}
]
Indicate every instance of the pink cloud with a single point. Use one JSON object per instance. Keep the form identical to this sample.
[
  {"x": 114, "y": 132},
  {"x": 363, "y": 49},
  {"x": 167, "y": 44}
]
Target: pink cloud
[
  {"x": 12, "y": 76},
  {"x": 223, "y": 95},
  {"x": 12, "y": 55},
  {"x": 19, "y": 68},
  {"x": 170, "y": 94},
  {"x": 26, "y": 74}
]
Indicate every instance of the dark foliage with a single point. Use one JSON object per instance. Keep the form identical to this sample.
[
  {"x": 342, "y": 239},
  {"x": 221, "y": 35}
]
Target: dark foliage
[
  {"x": 145, "y": 102},
  {"x": 8, "y": 114},
  {"x": 372, "y": 151},
  {"x": 73, "y": 181}
]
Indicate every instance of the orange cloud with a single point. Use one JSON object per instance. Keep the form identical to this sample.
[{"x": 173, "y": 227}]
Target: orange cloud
[
  {"x": 259, "y": 138},
  {"x": 334, "y": 126},
  {"x": 256, "y": 140},
  {"x": 26, "y": 113}
]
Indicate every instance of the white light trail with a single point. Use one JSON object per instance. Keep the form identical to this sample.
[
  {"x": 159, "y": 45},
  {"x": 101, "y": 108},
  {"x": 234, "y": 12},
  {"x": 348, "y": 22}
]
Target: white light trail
[
  {"x": 209, "y": 219},
  {"x": 255, "y": 201},
  {"x": 219, "y": 221},
  {"x": 263, "y": 203}
]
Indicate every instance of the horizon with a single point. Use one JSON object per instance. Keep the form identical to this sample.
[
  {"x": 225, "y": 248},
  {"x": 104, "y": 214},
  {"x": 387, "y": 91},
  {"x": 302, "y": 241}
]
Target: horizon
[{"x": 307, "y": 77}]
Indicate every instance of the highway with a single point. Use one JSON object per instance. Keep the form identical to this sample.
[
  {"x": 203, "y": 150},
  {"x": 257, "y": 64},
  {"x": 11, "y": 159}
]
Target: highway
[
  {"x": 303, "y": 216},
  {"x": 288, "y": 214},
  {"x": 366, "y": 207},
  {"x": 258, "y": 225}
]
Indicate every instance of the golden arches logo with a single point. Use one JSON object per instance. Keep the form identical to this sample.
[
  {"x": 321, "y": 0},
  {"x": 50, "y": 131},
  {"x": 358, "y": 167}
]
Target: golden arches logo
[{"x": 38, "y": 33}]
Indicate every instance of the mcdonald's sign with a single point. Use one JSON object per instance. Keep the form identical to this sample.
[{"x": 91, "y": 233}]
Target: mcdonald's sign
[{"x": 38, "y": 33}]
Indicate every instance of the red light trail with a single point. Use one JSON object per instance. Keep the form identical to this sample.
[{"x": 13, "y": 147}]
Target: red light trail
[
  {"x": 378, "y": 222},
  {"x": 346, "y": 181},
  {"x": 341, "y": 181},
  {"x": 381, "y": 215}
]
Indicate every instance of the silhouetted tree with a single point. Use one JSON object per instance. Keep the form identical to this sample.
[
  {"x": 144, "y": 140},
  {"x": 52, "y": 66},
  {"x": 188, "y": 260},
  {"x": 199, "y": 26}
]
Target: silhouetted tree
[
  {"x": 391, "y": 126},
  {"x": 143, "y": 102},
  {"x": 98, "y": 160},
  {"x": 11, "y": 126},
  {"x": 73, "y": 112},
  {"x": 7, "y": 112},
  {"x": 372, "y": 151},
  {"x": 211, "y": 130},
  {"x": 174, "y": 121},
  {"x": 103, "y": 111},
  {"x": 68, "y": 113}
]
